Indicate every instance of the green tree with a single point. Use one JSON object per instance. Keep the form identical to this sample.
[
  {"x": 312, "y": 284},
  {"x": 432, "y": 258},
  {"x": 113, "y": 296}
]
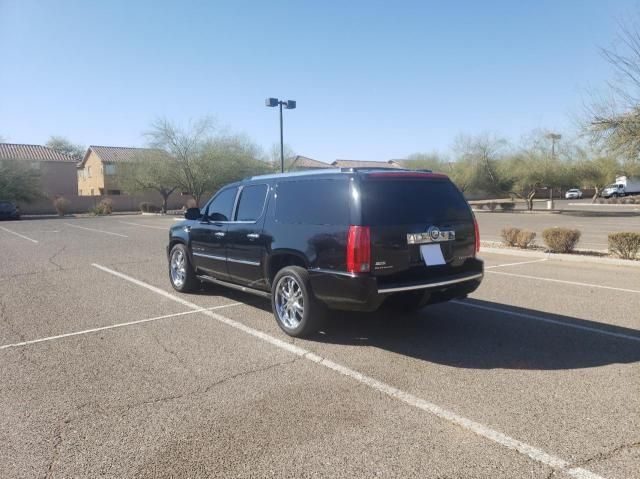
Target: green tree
[
  {"x": 427, "y": 161},
  {"x": 150, "y": 171},
  {"x": 477, "y": 165},
  {"x": 66, "y": 147},
  {"x": 597, "y": 172},
  {"x": 19, "y": 182}
]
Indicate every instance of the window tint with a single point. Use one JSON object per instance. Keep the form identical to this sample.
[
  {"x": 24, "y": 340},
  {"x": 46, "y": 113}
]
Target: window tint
[
  {"x": 313, "y": 202},
  {"x": 222, "y": 205},
  {"x": 251, "y": 202},
  {"x": 407, "y": 201}
]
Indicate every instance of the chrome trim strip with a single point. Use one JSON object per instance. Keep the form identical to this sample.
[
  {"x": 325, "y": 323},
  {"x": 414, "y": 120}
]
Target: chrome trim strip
[
  {"x": 238, "y": 287},
  {"x": 210, "y": 256},
  {"x": 332, "y": 271},
  {"x": 244, "y": 261},
  {"x": 430, "y": 285}
]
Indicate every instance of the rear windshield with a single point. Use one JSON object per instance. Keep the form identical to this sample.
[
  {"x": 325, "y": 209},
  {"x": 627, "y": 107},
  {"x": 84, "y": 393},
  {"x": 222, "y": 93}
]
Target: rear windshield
[
  {"x": 406, "y": 201},
  {"x": 313, "y": 202}
]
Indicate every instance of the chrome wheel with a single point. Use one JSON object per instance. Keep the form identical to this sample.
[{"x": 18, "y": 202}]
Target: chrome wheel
[
  {"x": 178, "y": 268},
  {"x": 289, "y": 302}
]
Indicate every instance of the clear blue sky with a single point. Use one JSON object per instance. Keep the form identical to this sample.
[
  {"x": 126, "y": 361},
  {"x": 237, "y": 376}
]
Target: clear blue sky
[{"x": 373, "y": 80}]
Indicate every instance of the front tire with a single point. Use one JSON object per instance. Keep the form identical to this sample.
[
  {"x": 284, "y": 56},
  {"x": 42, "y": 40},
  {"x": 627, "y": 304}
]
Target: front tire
[
  {"x": 297, "y": 311},
  {"x": 181, "y": 274}
]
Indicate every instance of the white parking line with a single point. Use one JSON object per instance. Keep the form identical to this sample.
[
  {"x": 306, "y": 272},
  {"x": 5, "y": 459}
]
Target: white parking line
[
  {"x": 145, "y": 226},
  {"x": 18, "y": 234},
  {"x": 575, "y": 283},
  {"x": 97, "y": 231},
  {"x": 113, "y": 326},
  {"x": 548, "y": 320},
  {"x": 515, "y": 264},
  {"x": 481, "y": 430}
]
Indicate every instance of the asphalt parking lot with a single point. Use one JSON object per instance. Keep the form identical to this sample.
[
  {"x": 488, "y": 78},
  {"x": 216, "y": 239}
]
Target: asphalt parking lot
[
  {"x": 106, "y": 371},
  {"x": 594, "y": 221}
]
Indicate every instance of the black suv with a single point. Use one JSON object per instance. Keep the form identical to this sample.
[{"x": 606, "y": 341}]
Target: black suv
[{"x": 346, "y": 239}]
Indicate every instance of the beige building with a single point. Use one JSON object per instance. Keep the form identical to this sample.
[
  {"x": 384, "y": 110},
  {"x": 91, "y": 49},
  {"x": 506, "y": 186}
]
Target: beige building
[
  {"x": 97, "y": 172},
  {"x": 57, "y": 171}
]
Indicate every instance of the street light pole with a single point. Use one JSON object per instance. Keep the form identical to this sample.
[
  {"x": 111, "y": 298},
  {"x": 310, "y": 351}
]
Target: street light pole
[{"x": 289, "y": 105}]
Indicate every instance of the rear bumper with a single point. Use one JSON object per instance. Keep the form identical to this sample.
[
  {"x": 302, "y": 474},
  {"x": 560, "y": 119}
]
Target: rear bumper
[{"x": 354, "y": 292}]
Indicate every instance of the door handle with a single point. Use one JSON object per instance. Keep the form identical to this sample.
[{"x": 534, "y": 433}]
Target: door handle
[
  {"x": 253, "y": 236},
  {"x": 219, "y": 234}
]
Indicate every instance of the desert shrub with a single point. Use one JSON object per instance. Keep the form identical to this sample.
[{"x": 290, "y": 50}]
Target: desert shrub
[
  {"x": 601, "y": 201},
  {"x": 105, "y": 207},
  {"x": 61, "y": 205},
  {"x": 147, "y": 207},
  {"x": 561, "y": 240},
  {"x": 492, "y": 206},
  {"x": 507, "y": 206},
  {"x": 510, "y": 235},
  {"x": 625, "y": 245},
  {"x": 525, "y": 238}
]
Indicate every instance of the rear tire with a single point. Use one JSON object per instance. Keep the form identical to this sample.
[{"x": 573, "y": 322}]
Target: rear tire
[
  {"x": 298, "y": 312},
  {"x": 181, "y": 274}
]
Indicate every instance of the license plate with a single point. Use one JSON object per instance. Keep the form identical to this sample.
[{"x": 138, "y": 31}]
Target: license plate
[{"x": 432, "y": 254}]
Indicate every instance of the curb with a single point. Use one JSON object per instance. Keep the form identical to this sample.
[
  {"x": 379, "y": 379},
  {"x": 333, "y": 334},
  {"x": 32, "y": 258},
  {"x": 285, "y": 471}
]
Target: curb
[{"x": 579, "y": 258}]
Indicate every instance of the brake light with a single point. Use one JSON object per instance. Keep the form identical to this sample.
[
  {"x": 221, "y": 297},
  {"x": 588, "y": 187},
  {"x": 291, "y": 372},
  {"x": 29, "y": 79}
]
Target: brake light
[
  {"x": 476, "y": 233},
  {"x": 358, "y": 249}
]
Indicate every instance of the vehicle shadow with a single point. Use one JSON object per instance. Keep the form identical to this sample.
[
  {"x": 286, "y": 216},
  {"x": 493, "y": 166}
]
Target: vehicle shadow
[
  {"x": 456, "y": 335},
  {"x": 468, "y": 336}
]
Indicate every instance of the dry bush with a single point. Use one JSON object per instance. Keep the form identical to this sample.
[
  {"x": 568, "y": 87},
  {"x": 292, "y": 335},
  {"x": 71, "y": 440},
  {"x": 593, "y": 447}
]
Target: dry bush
[
  {"x": 507, "y": 206},
  {"x": 624, "y": 245},
  {"x": 525, "y": 239},
  {"x": 492, "y": 206},
  {"x": 105, "y": 207},
  {"x": 510, "y": 235},
  {"x": 147, "y": 207},
  {"x": 561, "y": 240},
  {"x": 61, "y": 205}
]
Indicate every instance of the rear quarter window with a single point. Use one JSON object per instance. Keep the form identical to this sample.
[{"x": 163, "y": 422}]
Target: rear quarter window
[
  {"x": 313, "y": 202},
  {"x": 408, "y": 201}
]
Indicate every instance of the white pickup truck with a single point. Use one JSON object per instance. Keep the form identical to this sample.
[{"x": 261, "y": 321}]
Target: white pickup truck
[{"x": 623, "y": 186}]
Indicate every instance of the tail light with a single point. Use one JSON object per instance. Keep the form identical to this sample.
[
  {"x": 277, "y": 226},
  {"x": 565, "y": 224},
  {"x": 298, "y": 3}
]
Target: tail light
[
  {"x": 476, "y": 233},
  {"x": 358, "y": 249}
]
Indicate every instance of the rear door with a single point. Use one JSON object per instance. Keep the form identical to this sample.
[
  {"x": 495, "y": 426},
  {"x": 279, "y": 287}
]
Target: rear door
[
  {"x": 208, "y": 235},
  {"x": 421, "y": 226},
  {"x": 246, "y": 243}
]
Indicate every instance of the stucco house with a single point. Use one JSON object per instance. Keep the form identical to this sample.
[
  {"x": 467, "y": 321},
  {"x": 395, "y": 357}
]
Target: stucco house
[
  {"x": 97, "y": 172},
  {"x": 57, "y": 171}
]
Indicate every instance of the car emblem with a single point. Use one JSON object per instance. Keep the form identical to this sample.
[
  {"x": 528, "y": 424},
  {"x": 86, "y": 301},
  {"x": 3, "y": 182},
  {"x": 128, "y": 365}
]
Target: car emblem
[{"x": 434, "y": 233}]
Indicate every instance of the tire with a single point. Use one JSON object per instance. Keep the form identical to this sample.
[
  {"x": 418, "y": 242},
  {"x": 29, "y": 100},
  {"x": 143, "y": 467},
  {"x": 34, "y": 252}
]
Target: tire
[
  {"x": 181, "y": 274},
  {"x": 301, "y": 315}
]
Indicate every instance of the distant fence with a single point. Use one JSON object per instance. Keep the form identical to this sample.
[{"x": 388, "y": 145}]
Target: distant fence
[{"x": 83, "y": 204}]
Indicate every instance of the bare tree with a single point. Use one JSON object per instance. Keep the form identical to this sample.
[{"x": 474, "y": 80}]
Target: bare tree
[
  {"x": 66, "y": 147},
  {"x": 614, "y": 117}
]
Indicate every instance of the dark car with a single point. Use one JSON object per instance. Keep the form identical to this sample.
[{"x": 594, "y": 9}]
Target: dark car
[
  {"x": 349, "y": 239},
  {"x": 9, "y": 211}
]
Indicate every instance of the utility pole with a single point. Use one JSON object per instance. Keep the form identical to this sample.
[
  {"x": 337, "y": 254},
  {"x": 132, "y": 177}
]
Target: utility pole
[{"x": 289, "y": 105}]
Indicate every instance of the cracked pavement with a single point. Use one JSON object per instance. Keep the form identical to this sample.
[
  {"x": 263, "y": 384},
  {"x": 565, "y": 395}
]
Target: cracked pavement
[{"x": 187, "y": 396}]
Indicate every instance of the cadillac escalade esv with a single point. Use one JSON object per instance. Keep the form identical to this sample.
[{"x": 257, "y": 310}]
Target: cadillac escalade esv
[{"x": 348, "y": 239}]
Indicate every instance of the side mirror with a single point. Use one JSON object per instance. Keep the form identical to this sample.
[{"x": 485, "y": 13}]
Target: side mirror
[
  {"x": 192, "y": 214},
  {"x": 218, "y": 217}
]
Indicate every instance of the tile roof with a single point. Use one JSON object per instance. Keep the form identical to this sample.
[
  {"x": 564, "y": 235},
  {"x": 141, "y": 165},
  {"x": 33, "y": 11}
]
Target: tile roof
[
  {"x": 115, "y": 154},
  {"x": 365, "y": 164},
  {"x": 303, "y": 162},
  {"x": 17, "y": 151}
]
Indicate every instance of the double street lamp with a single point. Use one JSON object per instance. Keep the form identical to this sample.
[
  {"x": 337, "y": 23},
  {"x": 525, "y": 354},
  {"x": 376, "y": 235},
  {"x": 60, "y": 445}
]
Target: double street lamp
[{"x": 289, "y": 105}]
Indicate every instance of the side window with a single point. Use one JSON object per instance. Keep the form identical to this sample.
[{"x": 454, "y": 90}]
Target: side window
[
  {"x": 222, "y": 205},
  {"x": 313, "y": 202},
  {"x": 251, "y": 202}
]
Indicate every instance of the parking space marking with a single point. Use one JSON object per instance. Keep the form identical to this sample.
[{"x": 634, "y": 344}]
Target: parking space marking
[
  {"x": 515, "y": 264},
  {"x": 145, "y": 226},
  {"x": 18, "y": 234},
  {"x": 96, "y": 230},
  {"x": 481, "y": 430},
  {"x": 113, "y": 326},
  {"x": 563, "y": 281},
  {"x": 547, "y": 320}
]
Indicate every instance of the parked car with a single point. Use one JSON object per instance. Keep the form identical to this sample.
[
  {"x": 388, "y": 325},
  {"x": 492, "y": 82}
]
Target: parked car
[
  {"x": 9, "y": 210},
  {"x": 573, "y": 194},
  {"x": 349, "y": 239}
]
